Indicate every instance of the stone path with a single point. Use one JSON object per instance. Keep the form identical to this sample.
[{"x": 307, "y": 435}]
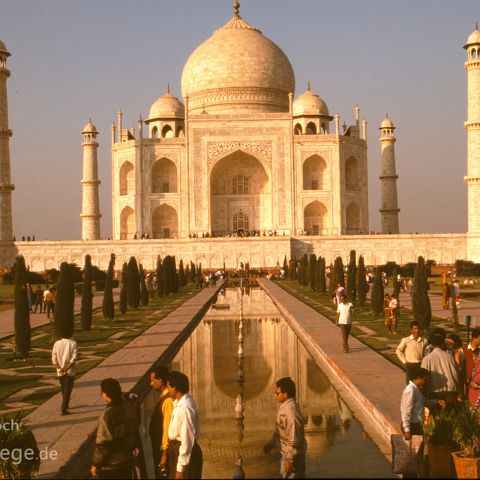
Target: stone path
[
  {"x": 40, "y": 319},
  {"x": 130, "y": 365}
]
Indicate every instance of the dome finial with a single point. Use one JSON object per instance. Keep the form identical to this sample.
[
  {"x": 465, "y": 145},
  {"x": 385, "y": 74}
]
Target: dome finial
[
  {"x": 476, "y": 24},
  {"x": 168, "y": 87},
  {"x": 308, "y": 85},
  {"x": 236, "y": 8}
]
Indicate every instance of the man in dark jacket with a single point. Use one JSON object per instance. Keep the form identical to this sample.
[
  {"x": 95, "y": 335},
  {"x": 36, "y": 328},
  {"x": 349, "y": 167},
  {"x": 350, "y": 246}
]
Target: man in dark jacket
[{"x": 117, "y": 435}]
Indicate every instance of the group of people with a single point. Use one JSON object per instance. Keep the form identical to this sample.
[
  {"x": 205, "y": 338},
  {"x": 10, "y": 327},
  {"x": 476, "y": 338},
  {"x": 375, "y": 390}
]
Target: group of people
[
  {"x": 42, "y": 300},
  {"x": 390, "y": 308},
  {"x": 174, "y": 425},
  {"x": 440, "y": 373},
  {"x": 451, "y": 292}
]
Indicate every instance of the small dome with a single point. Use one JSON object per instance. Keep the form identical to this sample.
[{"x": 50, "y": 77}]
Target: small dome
[
  {"x": 167, "y": 106},
  {"x": 473, "y": 39},
  {"x": 387, "y": 123},
  {"x": 308, "y": 103},
  {"x": 3, "y": 49},
  {"x": 90, "y": 128}
]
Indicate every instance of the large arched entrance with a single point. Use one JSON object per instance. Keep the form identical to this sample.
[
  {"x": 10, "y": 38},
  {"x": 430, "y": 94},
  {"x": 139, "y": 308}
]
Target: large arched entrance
[
  {"x": 164, "y": 222},
  {"x": 353, "y": 222},
  {"x": 240, "y": 195}
]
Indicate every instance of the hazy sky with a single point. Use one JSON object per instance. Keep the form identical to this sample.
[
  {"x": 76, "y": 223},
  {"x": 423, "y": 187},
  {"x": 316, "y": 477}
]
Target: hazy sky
[{"x": 76, "y": 59}]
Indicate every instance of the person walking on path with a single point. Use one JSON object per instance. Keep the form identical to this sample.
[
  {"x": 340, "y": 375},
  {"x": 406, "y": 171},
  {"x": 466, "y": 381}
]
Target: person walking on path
[
  {"x": 455, "y": 348},
  {"x": 474, "y": 384},
  {"x": 339, "y": 291},
  {"x": 30, "y": 297},
  {"x": 289, "y": 435},
  {"x": 48, "y": 302},
  {"x": 387, "y": 312},
  {"x": 393, "y": 305},
  {"x": 413, "y": 402},
  {"x": 160, "y": 420},
  {"x": 411, "y": 350},
  {"x": 443, "y": 381},
  {"x": 117, "y": 435},
  {"x": 38, "y": 299},
  {"x": 472, "y": 351},
  {"x": 64, "y": 359},
  {"x": 184, "y": 455},
  {"x": 445, "y": 296},
  {"x": 345, "y": 313}
]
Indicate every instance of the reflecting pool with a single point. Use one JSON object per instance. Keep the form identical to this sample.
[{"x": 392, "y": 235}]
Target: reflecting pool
[{"x": 233, "y": 365}]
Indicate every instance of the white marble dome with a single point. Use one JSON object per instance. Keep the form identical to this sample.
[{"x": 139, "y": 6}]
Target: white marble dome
[
  {"x": 90, "y": 128},
  {"x": 309, "y": 103},
  {"x": 474, "y": 38},
  {"x": 167, "y": 106},
  {"x": 387, "y": 123},
  {"x": 238, "y": 69}
]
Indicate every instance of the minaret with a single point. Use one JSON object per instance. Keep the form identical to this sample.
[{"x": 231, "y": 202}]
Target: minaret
[
  {"x": 472, "y": 125},
  {"x": 388, "y": 177},
  {"x": 90, "y": 204},
  {"x": 6, "y": 187}
]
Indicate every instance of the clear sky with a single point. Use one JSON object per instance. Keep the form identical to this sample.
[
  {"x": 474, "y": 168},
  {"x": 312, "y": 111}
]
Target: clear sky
[{"x": 72, "y": 60}]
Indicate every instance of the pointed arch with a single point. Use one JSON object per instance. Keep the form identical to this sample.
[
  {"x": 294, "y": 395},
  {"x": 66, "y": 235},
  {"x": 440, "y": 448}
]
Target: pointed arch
[
  {"x": 298, "y": 129},
  {"x": 154, "y": 133},
  {"x": 180, "y": 132},
  {"x": 353, "y": 220},
  {"x": 352, "y": 174},
  {"x": 164, "y": 222},
  {"x": 167, "y": 132},
  {"x": 127, "y": 179},
  {"x": 315, "y": 218},
  {"x": 164, "y": 176},
  {"x": 311, "y": 129},
  {"x": 314, "y": 173},
  {"x": 127, "y": 223}
]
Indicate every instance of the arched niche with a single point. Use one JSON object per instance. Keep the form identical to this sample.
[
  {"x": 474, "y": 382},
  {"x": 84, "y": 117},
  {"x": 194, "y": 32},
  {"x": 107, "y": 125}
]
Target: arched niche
[
  {"x": 167, "y": 132},
  {"x": 353, "y": 220},
  {"x": 154, "y": 133},
  {"x": 127, "y": 179},
  {"x": 127, "y": 224},
  {"x": 298, "y": 129},
  {"x": 315, "y": 218},
  {"x": 311, "y": 129},
  {"x": 164, "y": 222},
  {"x": 314, "y": 173},
  {"x": 164, "y": 176},
  {"x": 352, "y": 174}
]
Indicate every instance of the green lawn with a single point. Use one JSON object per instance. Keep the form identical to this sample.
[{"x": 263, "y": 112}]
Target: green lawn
[
  {"x": 95, "y": 342},
  {"x": 6, "y": 290}
]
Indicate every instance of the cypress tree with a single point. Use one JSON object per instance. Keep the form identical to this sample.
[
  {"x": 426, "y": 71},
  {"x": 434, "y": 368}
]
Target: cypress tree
[
  {"x": 303, "y": 270},
  {"x": 199, "y": 270},
  {"x": 22, "y": 310},
  {"x": 422, "y": 312},
  {"x": 124, "y": 289},
  {"x": 143, "y": 287},
  {"x": 65, "y": 298},
  {"x": 332, "y": 285},
  {"x": 193, "y": 271},
  {"x": 159, "y": 277},
  {"x": 376, "y": 301},
  {"x": 86, "y": 308},
  {"x": 292, "y": 271},
  {"x": 322, "y": 279},
  {"x": 166, "y": 275},
  {"x": 108, "y": 304},
  {"x": 175, "y": 281},
  {"x": 182, "y": 279},
  {"x": 188, "y": 275},
  {"x": 312, "y": 271},
  {"x": 338, "y": 273},
  {"x": 285, "y": 266},
  {"x": 362, "y": 285},
  {"x": 351, "y": 277},
  {"x": 133, "y": 286}
]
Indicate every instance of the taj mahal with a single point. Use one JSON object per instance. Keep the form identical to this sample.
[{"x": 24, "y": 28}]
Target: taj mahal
[{"x": 243, "y": 170}]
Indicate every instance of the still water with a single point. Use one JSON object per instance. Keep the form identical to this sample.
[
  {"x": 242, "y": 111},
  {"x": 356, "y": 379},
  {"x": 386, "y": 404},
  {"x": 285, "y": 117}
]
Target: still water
[{"x": 216, "y": 359}]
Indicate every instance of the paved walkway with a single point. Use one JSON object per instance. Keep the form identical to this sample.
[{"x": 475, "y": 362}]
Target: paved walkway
[
  {"x": 369, "y": 383},
  {"x": 39, "y": 319},
  {"x": 130, "y": 365}
]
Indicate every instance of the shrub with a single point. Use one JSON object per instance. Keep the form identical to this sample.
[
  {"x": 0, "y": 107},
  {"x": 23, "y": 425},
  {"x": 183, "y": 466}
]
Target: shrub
[
  {"x": 108, "y": 309},
  {"x": 22, "y": 310},
  {"x": 376, "y": 302},
  {"x": 133, "y": 285},
  {"x": 361, "y": 281},
  {"x": 65, "y": 297},
  {"x": 351, "y": 277},
  {"x": 143, "y": 287},
  {"x": 124, "y": 289},
  {"x": 86, "y": 308}
]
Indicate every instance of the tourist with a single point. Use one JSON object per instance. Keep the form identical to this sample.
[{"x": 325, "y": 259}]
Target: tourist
[
  {"x": 160, "y": 420},
  {"x": 393, "y": 305},
  {"x": 117, "y": 435},
  {"x": 38, "y": 299},
  {"x": 474, "y": 383},
  {"x": 443, "y": 381},
  {"x": 339, "y": 291},
  {"x": 413, "y": 402},
  {"x": 30, "y": 297},
  {"x": 345, "y": 312},
  {"x": 64, "y": 359},
  {"x": 289, "y": 435},
  {"x": 456, "y": 293},
  {"x": 387, "y": 313},
  {"x": 184, "y": 455},
  {"x": 445, "y": 296},
  {"x": 411, "y": 349},
  {"x": 48, "y": 301},
  {"x": 454, "y": 342},
  {"x": 472, "y": 352}
]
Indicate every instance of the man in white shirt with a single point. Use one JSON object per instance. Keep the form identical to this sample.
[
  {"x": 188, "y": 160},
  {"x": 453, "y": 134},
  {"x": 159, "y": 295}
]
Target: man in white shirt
[
  {"x": 184, "y": 455},
  {"x": 345, "y": 312},
  {"x": 64, "y": 359},
  {"x": 411, "y": 349}
]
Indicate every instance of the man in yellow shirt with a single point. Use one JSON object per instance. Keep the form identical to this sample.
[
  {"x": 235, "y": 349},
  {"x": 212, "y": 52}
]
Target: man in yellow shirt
[{"x": 160, "y": 420}]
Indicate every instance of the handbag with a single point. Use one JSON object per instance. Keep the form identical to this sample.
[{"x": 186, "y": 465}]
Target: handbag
[{"x": 407, "y": 455}]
